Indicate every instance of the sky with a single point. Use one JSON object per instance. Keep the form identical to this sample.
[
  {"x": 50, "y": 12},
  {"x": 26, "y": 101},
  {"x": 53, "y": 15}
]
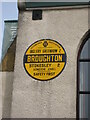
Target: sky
[{"x": 9, "y": 11}]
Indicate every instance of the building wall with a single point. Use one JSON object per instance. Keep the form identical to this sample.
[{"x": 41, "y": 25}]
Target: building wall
[
  {"x": 6, "y": 81},
  {"x": 55, "y": 98},
  {"x": 9, "y": 59},
  {"x": 0, "y": 95},
  {"x": 7, "y": 87}
]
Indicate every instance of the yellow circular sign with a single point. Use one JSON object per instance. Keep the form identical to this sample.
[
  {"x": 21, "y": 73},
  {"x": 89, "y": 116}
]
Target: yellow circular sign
[{"x": 44, "y": 59}]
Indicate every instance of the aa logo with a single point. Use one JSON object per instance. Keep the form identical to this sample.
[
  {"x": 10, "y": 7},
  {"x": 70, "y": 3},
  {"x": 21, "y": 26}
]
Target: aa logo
[{"x": 45, "y": 59}]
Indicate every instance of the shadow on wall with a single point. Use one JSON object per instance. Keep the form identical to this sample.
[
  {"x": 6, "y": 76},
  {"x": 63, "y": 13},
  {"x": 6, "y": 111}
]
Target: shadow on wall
[{"x": 7, "y": 72}]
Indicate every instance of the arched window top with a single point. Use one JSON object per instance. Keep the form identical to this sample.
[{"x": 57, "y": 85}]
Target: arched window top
[
  {"x": 83, "y": 79},
  {"x": 84, "y": 64},
  {"x": 85, "y": 53}
]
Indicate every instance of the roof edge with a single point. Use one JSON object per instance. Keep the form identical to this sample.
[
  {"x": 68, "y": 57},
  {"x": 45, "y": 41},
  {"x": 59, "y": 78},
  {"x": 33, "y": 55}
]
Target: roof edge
[
  {"x": 10, "y": 20},
  {"x": 22, "y": 5}
]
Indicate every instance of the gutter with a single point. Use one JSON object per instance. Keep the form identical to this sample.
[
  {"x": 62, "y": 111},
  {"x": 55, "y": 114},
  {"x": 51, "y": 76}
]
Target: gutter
[{"x": 26, "y": 6}]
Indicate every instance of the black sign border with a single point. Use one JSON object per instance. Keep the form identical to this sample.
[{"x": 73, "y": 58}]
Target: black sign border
[{"x": 57, "y": 74}]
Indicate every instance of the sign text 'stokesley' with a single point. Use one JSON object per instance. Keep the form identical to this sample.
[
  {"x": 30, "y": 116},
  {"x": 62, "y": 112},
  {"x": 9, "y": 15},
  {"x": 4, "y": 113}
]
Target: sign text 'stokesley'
[{"x": 45, "y": 59}]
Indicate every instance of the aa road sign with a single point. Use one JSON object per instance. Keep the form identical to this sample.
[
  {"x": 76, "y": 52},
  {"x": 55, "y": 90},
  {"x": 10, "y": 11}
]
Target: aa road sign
[{"x": 45, "y": 59}]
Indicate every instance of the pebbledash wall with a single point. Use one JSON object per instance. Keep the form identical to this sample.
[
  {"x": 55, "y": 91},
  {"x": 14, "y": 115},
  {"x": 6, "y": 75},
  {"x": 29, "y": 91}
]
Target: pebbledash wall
[{"x": 55, "y": 98}]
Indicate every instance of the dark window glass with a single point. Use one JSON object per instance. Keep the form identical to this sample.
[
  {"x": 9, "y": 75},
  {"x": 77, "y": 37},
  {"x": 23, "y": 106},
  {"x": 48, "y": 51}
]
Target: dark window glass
[
  {"x": 84, "y": 106},
  {"x": 84, "y": 76},
  {"x": 84, "y": 79},
  {"x": 85, "y": 54}
]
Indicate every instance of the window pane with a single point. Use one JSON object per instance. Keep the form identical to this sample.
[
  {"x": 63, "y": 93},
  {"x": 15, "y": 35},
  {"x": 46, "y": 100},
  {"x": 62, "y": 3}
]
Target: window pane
[
  {"x": 85, "y": 54},
  {"x": 84, "y": 76},
  {"x": 84, "y": 106}
]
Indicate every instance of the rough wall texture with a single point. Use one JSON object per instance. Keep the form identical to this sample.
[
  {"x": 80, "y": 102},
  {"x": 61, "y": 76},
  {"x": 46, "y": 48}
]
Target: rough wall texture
[
  {"x": 0, "y": 95},
  {"x": 7, "y": 85},
  {"x": 9, "y": 59},
  {"x": 55, "y": 98}
]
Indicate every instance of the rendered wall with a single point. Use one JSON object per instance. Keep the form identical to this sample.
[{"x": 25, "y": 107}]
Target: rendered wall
[
  {"x": 0, "y": 94},
  {"x": 7, "y": 87},
  {"x": 55, "y": 98},
  {"x": 6, "y": 76}
]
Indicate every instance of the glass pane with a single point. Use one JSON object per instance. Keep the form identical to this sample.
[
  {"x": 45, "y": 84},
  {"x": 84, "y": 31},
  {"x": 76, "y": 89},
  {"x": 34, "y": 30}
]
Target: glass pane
[
  {"x": 84, "y": 106},
  {"x": 85, "y": 54},
  {"x": 84, "y": 76}
]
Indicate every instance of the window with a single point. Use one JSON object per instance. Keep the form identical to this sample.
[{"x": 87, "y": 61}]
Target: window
[{"x": 83, "y": 79}]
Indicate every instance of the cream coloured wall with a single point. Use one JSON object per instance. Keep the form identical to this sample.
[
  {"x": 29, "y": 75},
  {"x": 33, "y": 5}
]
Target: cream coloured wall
[
  {"x": 7, "y": 87},
  {"x": 55, "y": 98}
]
